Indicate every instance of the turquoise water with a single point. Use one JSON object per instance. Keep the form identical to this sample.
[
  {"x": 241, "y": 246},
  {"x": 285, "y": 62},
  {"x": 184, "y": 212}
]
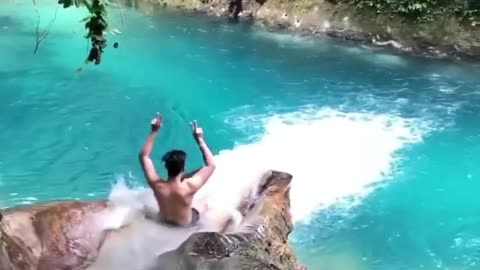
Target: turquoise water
[{"x": 382, "y": 147}]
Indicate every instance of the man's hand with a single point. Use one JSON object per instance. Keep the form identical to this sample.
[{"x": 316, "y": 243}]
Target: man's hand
[
  {"x": 201, "y": 176},
  {"x": 196, "y": 131},
  {"x": 156, "y": 122},
  {"x": 144, "y": 155}
]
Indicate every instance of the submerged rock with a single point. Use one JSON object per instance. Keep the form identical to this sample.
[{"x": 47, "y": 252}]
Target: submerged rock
[{"x": 75, "y": 235}]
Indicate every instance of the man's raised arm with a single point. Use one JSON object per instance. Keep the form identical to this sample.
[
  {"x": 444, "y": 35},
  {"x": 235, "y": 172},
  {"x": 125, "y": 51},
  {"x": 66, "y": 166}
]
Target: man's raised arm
[
  {"x": 144, "y": 155},
  {"x": 202, "y": 175}
]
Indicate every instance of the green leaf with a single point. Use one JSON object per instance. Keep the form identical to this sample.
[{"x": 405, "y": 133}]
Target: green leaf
[{"x": 86, "y": 19}]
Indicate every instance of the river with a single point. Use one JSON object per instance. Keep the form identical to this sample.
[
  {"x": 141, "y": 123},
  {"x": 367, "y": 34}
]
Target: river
[{"x": 382, "y": 147}]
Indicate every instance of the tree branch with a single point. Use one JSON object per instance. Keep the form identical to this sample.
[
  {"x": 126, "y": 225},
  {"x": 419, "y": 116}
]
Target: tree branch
[{"x": 40, "y": 37}]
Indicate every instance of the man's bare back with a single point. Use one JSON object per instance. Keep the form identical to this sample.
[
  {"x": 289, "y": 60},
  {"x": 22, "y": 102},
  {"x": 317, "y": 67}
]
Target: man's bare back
[
  {"x": 175, "y": 201},
  {"x": 175, "y": 195}
]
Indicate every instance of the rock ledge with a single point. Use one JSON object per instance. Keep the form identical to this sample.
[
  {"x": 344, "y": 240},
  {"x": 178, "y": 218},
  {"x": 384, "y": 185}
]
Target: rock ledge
[{"x": 61, "y": 235}]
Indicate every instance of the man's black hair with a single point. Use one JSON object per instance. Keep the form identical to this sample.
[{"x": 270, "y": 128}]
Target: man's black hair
[{"x": 174, "y": 162}]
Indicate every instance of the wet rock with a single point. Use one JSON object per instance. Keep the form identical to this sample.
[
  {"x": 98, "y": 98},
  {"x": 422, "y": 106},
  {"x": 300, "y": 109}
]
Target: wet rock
[
  {"x": 234, "y": 9},
  {"x": 68, "y": 235},
  {"x": 261, "y": 244},
  {"x": 53, "y": 235}
]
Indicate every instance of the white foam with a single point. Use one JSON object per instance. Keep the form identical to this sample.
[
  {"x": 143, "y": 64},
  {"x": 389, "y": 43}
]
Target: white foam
[
  {"x": 364, "y": 53},
  {"x": 288, "y": 40},
  {"x": 137, "y": 241},
  {"x": 330, "y": 154},
  {"x": 447, "y": 89},
  {"x": 371, "y": 55}
]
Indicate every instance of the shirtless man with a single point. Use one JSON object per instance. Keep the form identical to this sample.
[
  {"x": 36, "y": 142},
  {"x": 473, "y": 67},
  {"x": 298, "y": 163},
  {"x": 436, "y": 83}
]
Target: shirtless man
[{"x": 175, "y": 194}]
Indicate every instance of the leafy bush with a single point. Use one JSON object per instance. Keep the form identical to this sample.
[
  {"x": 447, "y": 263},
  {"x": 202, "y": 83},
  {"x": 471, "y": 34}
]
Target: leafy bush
[{"x": 420, "y": 10}]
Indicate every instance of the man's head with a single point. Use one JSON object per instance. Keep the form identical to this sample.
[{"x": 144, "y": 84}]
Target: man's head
[{"x": 174, "y": 161}]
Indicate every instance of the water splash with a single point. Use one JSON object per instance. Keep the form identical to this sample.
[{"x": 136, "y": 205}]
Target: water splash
[
  {"x": 331, "y": 155},
  {"x": 316, "y": 147}
]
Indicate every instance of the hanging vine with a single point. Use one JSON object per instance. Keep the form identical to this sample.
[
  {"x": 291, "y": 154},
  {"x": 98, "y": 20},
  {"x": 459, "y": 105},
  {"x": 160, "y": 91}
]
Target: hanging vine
[{"x": 95, "y": 24}]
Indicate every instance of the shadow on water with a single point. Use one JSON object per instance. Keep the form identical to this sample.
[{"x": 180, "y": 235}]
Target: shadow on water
[{"x": 8, "y": 21}]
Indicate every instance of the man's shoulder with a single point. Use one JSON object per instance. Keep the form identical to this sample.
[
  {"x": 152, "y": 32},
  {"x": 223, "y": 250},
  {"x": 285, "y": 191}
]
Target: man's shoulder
[{"x": 157, "y": 183}]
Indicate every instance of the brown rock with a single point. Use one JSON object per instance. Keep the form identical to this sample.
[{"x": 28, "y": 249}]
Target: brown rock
[
  {"x": 49, "y": 235},
  {"x": 262, "y": 244},
  {"x": 64, "y": 235}
]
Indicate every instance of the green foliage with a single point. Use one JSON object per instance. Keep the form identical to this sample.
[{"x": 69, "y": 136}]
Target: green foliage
[
  {"x": 69, "y": 3},
  {"x": 95, "y": 23},
  {"x": 419, "y": 10}
]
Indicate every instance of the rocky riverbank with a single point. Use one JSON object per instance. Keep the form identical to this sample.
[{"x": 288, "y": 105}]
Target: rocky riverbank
[{"x": 448, "y": 38}]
